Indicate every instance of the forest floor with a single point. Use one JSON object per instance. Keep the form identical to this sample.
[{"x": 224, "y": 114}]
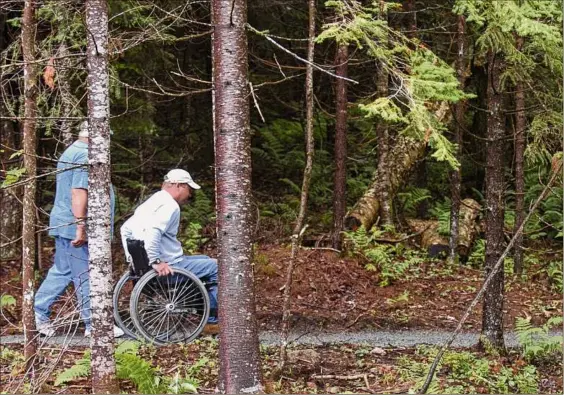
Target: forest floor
[{"x": 335, "y": 293}]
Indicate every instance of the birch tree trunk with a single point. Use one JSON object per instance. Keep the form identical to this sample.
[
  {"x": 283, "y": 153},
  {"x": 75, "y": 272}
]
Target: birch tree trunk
[
  {"x": 29, "y": 146},
  {"x": 240, "y": 370},
  {"x": 299, "y": 227},
  {"x": 520, "y": 127},
  {"x": 492, "y": 312},
  {"x": 455, "y": 175},
  {"x": 99, "y": 215},
  {"x": 340, "y": 180}
]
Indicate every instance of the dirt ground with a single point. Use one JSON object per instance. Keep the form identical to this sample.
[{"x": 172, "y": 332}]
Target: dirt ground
[{"x": 331, "y": 292}]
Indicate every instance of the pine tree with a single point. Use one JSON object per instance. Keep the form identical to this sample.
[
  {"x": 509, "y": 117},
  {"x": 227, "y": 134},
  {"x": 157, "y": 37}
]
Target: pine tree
[{"x": 239, "y": 346}]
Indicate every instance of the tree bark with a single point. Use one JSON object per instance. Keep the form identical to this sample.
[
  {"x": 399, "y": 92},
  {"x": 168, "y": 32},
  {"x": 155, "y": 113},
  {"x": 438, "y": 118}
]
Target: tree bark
[
  {"x": 455, "y": 175},
  {"x": 406, "y": 152},
  {"x": 492, "y": 312},
  {"x": 240, "y": 370},
  {"x": 384, "y": 187},
  {"x": 520, "y": 127},
  {"x": 468, "y": 229},
  {"x": 299, "y": 227},
  {"x": 99, "y": 214},
  {"x": 340, "y": 180},
  {"x": 29, "y": 252}
]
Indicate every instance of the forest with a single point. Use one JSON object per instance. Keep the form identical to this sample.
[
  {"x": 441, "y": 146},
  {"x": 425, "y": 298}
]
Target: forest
[{"x": 374, "y": 198}]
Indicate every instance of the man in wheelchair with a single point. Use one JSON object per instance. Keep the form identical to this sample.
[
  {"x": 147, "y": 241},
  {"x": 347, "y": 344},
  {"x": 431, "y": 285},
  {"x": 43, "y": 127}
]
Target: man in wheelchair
[{"x": 155, "y": 223}]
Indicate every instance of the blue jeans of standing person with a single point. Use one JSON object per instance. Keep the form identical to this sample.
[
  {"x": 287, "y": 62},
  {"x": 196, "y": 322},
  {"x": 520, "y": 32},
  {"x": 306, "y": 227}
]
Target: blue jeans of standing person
[
  {"x": 205, "y": 268},
  {"x": 71, "y": 264}
]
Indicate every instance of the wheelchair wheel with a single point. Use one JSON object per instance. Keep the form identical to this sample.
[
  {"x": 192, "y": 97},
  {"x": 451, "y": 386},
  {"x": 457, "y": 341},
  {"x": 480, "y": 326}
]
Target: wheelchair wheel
[
  {"x": 171, "y": 309},
  {"x": 121, "y": 301}
]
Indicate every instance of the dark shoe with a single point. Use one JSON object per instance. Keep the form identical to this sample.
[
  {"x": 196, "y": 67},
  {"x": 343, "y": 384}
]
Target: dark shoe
[{"x": 211, "y": 329}]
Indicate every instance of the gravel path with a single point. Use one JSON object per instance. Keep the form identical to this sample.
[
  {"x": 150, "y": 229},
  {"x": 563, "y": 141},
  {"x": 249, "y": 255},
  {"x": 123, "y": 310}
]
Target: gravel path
[{"x": 372, "y": 338}]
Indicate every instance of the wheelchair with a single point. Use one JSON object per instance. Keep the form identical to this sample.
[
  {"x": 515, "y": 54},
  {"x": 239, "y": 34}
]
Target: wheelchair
[{"x": 160, "y": 310}]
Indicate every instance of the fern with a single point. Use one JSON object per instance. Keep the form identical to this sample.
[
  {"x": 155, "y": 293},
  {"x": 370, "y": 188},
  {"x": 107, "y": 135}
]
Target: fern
[
  {"x": 537, "y": 342},
  {"x": 131, "y": 366},
  {"x": 81, "y": 368},
  {"x": 411, "y": 198}
]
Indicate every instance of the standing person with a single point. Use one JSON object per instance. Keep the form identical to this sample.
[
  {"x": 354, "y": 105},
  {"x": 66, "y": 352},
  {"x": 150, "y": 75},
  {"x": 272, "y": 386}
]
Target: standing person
[
  {"x": 156, "y": 222},
  {"x": 67, "y": 225}
]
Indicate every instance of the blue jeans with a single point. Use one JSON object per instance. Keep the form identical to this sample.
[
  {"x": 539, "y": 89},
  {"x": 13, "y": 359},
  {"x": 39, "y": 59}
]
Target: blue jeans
[
  {"x": 71, "y": 264},
  {"x": 205, "y": 268}
]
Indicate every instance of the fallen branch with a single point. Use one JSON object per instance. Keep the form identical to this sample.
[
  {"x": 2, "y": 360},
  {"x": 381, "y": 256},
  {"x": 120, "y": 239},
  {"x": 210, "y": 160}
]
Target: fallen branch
[
  {"x": 495, "y": 269},
  {"x": 339, "y": 377},
  {"x": 403, "y": 238}
]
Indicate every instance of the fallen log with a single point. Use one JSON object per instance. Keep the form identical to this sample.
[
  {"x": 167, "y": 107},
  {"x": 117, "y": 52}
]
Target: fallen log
[
  {"x": 403, "y": 157},
  {"x": 468, "y": 226},
  {"x": 435, "y": 243},
  {"x": 431, "y": 240}
]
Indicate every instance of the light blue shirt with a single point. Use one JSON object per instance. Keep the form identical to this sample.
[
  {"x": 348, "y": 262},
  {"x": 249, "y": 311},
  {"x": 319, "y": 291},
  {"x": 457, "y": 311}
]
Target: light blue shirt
[
  {"x": 155, "y": 222},
  {"x": 62, "y": 221}
]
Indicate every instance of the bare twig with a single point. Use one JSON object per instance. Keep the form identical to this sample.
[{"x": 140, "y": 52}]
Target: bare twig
[
  {"x": 255, "y": 101},
  {"x": 252, "y": 29}
]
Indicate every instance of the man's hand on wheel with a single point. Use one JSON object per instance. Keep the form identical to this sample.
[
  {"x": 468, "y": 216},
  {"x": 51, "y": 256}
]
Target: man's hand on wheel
[{"x": 162, "y": 269}]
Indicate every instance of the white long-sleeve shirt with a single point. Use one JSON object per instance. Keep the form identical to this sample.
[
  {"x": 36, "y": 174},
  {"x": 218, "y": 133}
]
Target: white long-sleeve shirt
[{"x": 155, "y": 222}]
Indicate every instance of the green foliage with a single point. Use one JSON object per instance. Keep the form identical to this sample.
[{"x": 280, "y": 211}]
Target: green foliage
[
  {"x": 131, "y": 366},
  {"x": 13, "y": 176},
  {"x": 478, "y": 254},
  {"x": 81, "y": 368},
  {"x": 441, "y": 211},
  {"x": 548, "y": 219},
  {"x": 391, "y": 261},
  {"x": 554, "y": 272},
  {"x": 420, "y": 78},
  {"x": 538, "y": 342},
  {"x": 410, "y": 198},
  {"x": 196, "y": 215},
  {"x": 7, "y": 301},
  {"x": 464, "y": 372}
]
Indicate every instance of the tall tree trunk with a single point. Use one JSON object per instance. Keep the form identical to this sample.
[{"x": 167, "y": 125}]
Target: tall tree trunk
[
  {"x": 67, "y": 98},
  {"x": 99, "y": 214},
  {"x": 340, "y": 181},
  {"x": 492, "y": 312},
  {"x": 455, "y": 175},
  {"x": 240, "y": 370},
  {"x": 520, "y": 127},
  {"x": 383, "y": 190},
  {"x": 29, "y": 146},
  {"x": 299, "y": 227}
]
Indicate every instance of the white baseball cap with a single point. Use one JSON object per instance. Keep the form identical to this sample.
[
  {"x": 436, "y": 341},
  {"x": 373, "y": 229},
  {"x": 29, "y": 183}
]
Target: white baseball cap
[{"x": 179, "y": 176}]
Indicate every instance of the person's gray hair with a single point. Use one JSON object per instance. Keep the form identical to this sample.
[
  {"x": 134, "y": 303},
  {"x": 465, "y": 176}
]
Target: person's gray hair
[{"x": 83, "y": 131}]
